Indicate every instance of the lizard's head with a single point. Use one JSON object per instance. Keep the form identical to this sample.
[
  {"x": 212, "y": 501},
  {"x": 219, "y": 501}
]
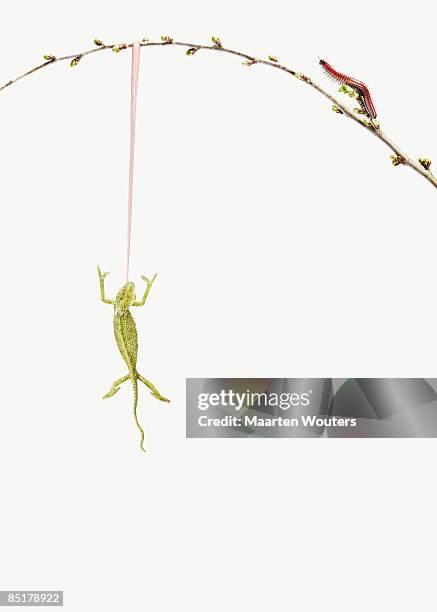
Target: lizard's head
[{"x": 125, "y": 297}]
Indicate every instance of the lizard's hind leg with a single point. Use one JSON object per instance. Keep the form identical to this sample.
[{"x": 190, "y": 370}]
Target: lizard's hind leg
[
  {"x": 116, "y": 386},
  {"x": 152, "y": 388}
]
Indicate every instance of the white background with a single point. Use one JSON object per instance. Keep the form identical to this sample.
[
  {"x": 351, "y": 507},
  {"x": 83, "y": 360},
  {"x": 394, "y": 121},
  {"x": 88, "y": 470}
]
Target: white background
[{"x": 286, "y": 245}]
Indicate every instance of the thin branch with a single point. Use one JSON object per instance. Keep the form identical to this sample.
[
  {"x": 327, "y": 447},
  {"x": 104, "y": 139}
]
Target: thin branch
[{"x": 399, "y": 157}]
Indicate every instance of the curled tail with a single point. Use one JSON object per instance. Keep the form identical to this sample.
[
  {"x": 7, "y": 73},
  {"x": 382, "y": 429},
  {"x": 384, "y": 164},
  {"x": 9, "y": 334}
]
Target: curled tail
[{"x": 134, "y": 380}]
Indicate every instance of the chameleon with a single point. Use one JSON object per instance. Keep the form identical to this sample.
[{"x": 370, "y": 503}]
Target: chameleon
[{"x": 126, "y": 336}]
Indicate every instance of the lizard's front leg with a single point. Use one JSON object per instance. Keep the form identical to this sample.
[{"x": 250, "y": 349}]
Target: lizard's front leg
[
  {"x": 146, "y": 292},
  {"x": 116, "y": 386},
  {"x": 102, "y": 286}
]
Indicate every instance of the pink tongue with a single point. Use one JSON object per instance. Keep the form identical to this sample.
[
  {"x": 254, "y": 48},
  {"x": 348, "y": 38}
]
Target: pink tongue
[{"x": 133, "y": 116}]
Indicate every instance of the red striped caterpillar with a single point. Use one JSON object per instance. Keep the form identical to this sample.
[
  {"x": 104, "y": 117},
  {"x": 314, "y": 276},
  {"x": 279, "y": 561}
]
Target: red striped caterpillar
[{"x": 364, "y": 97}]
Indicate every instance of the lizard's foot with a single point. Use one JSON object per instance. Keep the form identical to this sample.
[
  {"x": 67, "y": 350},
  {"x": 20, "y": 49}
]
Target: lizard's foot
[
  {"x": 116, "y": 386},
  {"x": 112, "y": 391},
  {"x": 159, "y": 396},
  {"x": 149, "y": 282},
  {"x": 154, "y": 391},
  {"x": 103, "y": 275}
]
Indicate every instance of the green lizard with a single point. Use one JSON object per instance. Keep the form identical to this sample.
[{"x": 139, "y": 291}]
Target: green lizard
[{"x": 126, "y": 337}]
